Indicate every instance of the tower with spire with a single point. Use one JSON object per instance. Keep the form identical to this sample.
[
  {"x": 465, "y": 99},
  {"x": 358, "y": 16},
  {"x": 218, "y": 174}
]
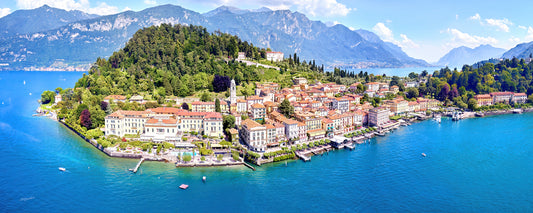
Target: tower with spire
[{"x": 233, "y": 92}]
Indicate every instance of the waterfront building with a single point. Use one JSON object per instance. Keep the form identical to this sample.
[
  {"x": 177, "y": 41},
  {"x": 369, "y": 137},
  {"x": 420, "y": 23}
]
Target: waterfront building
[
  {"x": 302, "y": 132},
  {"x": 501, "y": 97},
  {"x": 291, "y": 128},
  {"x": 161, "y": 129},
  {"x": 398, "y": 106},
  {"x": 274, "y": 56},
  {"x": 212, "y": 123},
  {"x": 253, "y": 134},
  {"x": 122, "y": 122},
  {"x": 483, "y": 100},
  {"x": 270, "y": 134},
  {"x": 378, "y": 116},
  {"x": 519, "y": 98}
]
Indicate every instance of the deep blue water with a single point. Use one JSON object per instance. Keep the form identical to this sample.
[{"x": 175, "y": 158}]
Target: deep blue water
[{"x": 475, "y": 165}]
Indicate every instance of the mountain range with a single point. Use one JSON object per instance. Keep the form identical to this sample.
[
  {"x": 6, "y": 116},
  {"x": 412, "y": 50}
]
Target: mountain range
[
  {"x": 524, "y": 50},
  {"x": 460, "y": 56},
  {"x": 75, "y": 39}
]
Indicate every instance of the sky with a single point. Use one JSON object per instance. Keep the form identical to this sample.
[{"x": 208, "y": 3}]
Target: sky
[{"x": 423, "y": 29}]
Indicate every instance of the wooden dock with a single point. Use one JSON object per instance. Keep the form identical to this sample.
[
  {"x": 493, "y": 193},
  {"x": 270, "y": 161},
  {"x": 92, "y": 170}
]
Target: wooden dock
[
  {"x": 138, "y": 165},
  {"x": 303, "y": 157}
]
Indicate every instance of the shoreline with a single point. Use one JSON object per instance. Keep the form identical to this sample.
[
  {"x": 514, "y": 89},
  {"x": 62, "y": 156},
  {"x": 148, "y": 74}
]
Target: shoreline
[{"x": 307, "y": 153}]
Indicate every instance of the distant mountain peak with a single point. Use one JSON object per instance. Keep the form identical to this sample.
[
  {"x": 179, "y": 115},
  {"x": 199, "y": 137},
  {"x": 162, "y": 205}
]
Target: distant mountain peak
[{"x": 462, "y": 55}]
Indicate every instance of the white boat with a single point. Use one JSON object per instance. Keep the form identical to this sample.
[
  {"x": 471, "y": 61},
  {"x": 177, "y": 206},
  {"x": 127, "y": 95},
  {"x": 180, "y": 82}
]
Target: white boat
[
  {"x": 204, "y": 178},
  {"x": 184, "y": 186},
  {"x": 62, "y": 169},
  {"x": 423, "y": 154}
]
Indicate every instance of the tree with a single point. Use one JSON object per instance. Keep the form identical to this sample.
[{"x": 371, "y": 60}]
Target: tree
[
  {"x": 103, "y": 105},
  {"x": 472, "y": 104},
  {"x": 48, "y": 97},
  {"x": 443, "y": 94},
  {"x": 424, "y": 73},
  {"x": 221, "y": 83},
  {"x": 286, "y": 108},
  {"x": 185, "y": 106},
  {"x": 85, "y": 119},
  {"x": 228, "y": 121},
  {"x": 219, "y": 157},
  {"x": 217, "y": 105},
  {"x": 151, "y": 104},
  {"x": 205, "y": 97},
  {"x": 412, "y": 92}
]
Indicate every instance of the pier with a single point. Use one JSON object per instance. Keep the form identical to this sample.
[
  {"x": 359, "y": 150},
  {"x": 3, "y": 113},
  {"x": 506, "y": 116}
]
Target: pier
[
  {"x": 138, "y": 165},
  {"x": 249, "y": 166},
  {"x": 303, "y": 157},
  {"x": 349, "y": 146}
]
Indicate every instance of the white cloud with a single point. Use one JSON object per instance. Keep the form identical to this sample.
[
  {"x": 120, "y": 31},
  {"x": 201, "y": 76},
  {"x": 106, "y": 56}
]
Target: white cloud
[
  {"x": 126, "y": 9},
  {"x": 464, "y": 39},
  {"x": 351, "y": 28},
  {"x": 330, "y": 24},
  {"x": 325, "y": 8},
  {"x": 456, "y": 16},
  {"x": 386, "y": 35},
  {"x": 150, "y": 2},
  {"x": 514, "y": 40},
  {"x": 475, "y": 17},
  {"x": 383, "y": 32},
  {"x": 82, "y": 5},
  {"x": 529, "y": 35},
  {"x": 500, "y": 23},
  {"x": 408, "y": 43},
  {"x": 4, "y": 12},
  {"x": 522, "y": 27}
]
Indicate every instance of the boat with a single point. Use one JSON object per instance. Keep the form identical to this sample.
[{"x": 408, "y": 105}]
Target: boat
[
  {"x": 184, "y": 186},
  {"x": 381, "y": 134},
  {"x": 62, "y": 169},
  {"x": 423, "y": 154},
  {"x": 204, "y": 178}
]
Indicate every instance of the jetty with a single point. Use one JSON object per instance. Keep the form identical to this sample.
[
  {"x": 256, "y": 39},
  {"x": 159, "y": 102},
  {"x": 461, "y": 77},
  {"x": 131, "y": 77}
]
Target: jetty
[
  {"x": 349, "y": 146},
  {"x": 249, "y": 166},
  {"x": 303, "y": 157},
  {"x": 138, "y": 165}
]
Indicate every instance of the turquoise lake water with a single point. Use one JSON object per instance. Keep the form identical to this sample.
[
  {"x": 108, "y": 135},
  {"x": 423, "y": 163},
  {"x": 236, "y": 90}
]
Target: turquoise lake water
[{"x": 475, "y": 165}]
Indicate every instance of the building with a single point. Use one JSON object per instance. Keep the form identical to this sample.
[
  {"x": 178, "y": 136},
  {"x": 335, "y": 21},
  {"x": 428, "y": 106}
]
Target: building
[
  {"x": 519, "y": 98},
  {"x": 58, "y": 98},
  {"x": 115, "y": 98},
  {"x": 199, "y": 106},
  {"x": 233, "y": 92},
  {"x": 253, "y": 100},
  {"x": 212, "y": 123},
  {"x": 254, "y": 135},
  {"x": 378, "y": 116},
  {"x": 299, "y": 80},
  {"x": 398, "y": 106},
  {"x": 241, "y": 56},
  {"x": 341, "y": 105},
  {"x": 161, "y": 129},
  {"x": 121, "y": 123},
  {"x": 291, "y": 129},
  {"x": 257, "y": 112},
  {"x": 242, "y": 106},
  {"x": 372, "y": 86},
  {"x": 501, "y": 97},
  {"x": 274, "y": 56},
  {"x": 137, "y": 98},
  {"x": 483, "y": 100}
]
